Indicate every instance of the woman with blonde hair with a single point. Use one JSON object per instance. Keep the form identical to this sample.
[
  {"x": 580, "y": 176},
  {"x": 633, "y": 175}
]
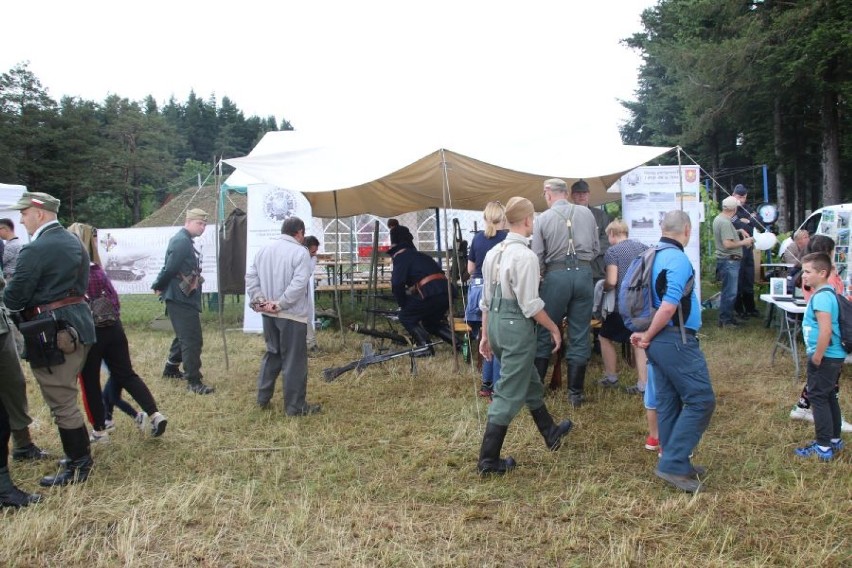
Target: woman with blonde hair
[
  {"x": 111, "y": 348},
  {"x": 483, "y": 241}
]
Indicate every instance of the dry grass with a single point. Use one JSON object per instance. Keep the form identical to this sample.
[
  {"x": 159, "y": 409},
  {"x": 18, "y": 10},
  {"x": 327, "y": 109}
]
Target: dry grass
[{"x": 385, "y": 476}]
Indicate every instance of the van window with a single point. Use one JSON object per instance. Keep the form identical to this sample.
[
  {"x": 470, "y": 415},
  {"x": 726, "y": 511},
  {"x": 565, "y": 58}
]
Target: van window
[{"x": 812, "y": 223}]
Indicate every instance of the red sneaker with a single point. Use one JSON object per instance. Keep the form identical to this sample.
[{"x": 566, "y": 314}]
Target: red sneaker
[
  {"x": 486, "y": 392},
  {"x": 652, "y": 444}
]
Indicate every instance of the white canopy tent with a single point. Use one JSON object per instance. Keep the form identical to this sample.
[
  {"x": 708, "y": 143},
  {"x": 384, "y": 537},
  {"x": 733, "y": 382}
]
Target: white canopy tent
[
  {"x": 9, "y": 195},
  {"x": 351, "y": 177}
]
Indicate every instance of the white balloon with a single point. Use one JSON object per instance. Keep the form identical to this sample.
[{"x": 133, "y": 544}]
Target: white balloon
[{"x": 764, "y": 241}]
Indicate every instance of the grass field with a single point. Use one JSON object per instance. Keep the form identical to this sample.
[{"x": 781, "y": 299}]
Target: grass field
[{"x": 385, "y": 476}]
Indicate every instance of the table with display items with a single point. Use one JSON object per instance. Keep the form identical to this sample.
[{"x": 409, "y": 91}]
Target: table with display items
[{"x": 790, "y": 326}]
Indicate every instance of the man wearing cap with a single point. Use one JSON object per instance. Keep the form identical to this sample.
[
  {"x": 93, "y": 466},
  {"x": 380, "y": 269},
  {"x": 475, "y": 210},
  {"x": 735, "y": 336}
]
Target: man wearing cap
[
  {"x": 580, "y": 196},
  {"x": 744, "y": 222},
  {"x": 51, "y": 277},
  {"x": 729, "y": 253},
  {"x": 565, "y": 239},
  {"x": 179, "y": 285}
]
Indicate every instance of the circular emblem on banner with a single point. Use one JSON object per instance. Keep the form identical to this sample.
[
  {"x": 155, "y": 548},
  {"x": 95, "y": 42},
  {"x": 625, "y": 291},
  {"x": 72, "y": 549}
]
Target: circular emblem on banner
[{"x": 279, "y": 205}]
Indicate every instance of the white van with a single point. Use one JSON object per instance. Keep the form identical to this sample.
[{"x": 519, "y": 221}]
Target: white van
[{"x": 814, "y": 225}]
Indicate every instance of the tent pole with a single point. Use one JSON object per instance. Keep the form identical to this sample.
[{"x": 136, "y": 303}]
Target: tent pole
[
  {"x": 220, "y": 212},
  {"x": 334, "y": 278},
  {"x": 450, "y": 316}
]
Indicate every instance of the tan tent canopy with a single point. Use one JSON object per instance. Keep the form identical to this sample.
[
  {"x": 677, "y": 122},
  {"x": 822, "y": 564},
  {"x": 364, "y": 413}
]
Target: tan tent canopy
[{"x": 392, "y": 177}]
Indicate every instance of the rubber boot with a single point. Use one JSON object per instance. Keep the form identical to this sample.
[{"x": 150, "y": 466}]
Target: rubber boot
[
  {"x": 76, "y": 470},
  {"x": 421, "y": 337},
  {"x": 576, "y": 380},
  {"x": 490, "y": 461},
  {"x": 541, "y": 364},
  {"x": 551, "y": 433},
  {"x": 11, "y": 496}
]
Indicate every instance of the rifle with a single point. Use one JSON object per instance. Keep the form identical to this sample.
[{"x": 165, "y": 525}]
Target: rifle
[
  {"x": 391, "y": 335},
  {"x": 556, "y": 377},
  {"x": 332, "y": 373}
]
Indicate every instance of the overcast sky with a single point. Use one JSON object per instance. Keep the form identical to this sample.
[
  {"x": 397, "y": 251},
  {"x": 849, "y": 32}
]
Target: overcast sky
[{"x": 490, "y": 69}]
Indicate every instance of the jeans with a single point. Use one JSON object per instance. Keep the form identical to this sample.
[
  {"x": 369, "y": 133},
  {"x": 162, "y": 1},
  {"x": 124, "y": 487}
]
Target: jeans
[
  {"x": 823, "y": 397},
  {"x": 728, "y": 272},
  {"x": 685, "y": 398}
]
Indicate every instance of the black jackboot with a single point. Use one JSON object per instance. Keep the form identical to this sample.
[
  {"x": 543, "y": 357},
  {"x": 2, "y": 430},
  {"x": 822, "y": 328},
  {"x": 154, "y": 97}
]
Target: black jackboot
[
  {"x": 541, "y": 364},
  {"x": 551, "y": 433},
  {"x": 576, "y": 380},
  {"x": 10, "y": 495},
  {"x": 444, "y": 333},
  {"x": 489, "y": 455},
  {"x": 76, "y": 470},
  {"x": 421, "y": 337}
]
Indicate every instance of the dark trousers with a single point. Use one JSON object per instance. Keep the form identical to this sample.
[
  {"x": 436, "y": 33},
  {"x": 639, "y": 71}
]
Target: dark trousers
[
  {"x": 824, "y": 398},
  {"x": 13, "y": 386},
  {"x": 112, "y": 349},
  {"x": 430, "y": 312},
  {"x": 5, "y": 432},
  {"x": 188, "y": 341},
  {"x": 745, "y": 284},
  {"x": 568, "y": 293},
  {"x": 287, "y": 354}
]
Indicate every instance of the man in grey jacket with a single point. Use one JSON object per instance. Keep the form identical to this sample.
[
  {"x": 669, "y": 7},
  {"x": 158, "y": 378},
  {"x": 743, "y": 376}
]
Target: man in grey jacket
[{"x": 277, "y": 286}]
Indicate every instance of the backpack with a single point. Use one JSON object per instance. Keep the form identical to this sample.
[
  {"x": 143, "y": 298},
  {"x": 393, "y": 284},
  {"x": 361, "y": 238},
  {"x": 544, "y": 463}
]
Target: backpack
[
  {"x": 635, "y": 296},
  {"x": 844, "y": 313}
]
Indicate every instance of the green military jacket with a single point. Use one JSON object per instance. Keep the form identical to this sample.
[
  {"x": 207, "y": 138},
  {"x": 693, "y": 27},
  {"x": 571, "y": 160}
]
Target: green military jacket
[
  {"x": 181, "y": 259},
  {"x": 50, "y": 268}
]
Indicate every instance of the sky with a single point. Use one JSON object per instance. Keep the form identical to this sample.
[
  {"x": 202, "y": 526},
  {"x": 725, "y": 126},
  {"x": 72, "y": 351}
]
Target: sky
[{"x": 465, "y": 67}]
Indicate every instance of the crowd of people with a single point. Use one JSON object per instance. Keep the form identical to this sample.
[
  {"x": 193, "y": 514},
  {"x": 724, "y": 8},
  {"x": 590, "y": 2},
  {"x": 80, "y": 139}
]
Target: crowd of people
[{"x": 527, "y": 275}]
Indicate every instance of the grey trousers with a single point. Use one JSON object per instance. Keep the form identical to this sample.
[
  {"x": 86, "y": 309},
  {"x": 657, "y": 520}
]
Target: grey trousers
[
  {"x": 286, "y": 352},
  {"x": 188, "y": 341},
  {"x": 13, "y": 386}
]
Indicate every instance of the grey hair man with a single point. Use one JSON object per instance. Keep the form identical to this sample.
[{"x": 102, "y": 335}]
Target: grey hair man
[
  {"x": 796, "y": 249},
  {"x": 277, "y": 287},
  {"x": 729, "y": 253}
]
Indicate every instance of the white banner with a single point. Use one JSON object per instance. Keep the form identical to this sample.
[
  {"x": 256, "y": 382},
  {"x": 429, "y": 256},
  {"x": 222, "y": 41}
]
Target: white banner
[
  {"x": 268, "y": 206},
  {"x": 649, "y": 192},
  {"x": 133, "y": 258}
]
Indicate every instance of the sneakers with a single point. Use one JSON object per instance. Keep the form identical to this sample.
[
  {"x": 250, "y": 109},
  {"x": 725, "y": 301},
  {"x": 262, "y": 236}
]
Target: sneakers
[
  {"x": 837, "y": 446},
  {"x": 608, "y": 382},
  {"x": 199, "y": 388},
  {"x": 634, "y": 389},
  {"x": 141, "y": 420},
  {"x": 99, "y": 437},
  {"x": 845, "y": 426},
  {"x": 158, "y": 424},
  {"x": 799, "y": 413},
  {"x": 812, "y": 449},
  {"x": 109, "y": 425},
  {"x": 652, "y": 444},
  {"x": 171, "y": 371},
  {"x": 683, "y": 482}
]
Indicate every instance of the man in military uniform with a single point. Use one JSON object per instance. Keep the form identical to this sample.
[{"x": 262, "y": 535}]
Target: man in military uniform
[
  {"x": 580, "y": 196},
  {"x": 420, "y": 288},
  {"x": 179, "y": 284},
  {"x": 51, "y": 277},
  {"x": 565, "y": 238}
]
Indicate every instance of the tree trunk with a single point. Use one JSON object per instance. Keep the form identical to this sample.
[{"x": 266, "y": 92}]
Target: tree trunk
[
  {"x": 780, "y": 179},
  {"x": 830, "y": 149}
]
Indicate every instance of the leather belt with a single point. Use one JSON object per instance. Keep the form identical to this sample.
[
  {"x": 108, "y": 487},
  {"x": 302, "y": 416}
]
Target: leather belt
[
  {"x": 69, "y": 301},
  {"x": 731, "y": 257},
  {"x": 430, "y": 278},
  {"x": 686, "y": 330},
  {"x": 560, "y": 264}
]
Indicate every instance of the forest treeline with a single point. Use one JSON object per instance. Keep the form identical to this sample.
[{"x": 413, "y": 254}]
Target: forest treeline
[
  {"x": 744, "y": 82},
  {"x": 114, "y": 162}
]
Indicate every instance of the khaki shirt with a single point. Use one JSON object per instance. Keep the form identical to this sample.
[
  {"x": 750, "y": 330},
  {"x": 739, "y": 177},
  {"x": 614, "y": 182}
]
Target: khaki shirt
[
  {"x": 723, "y": 230},
  {"x": 517, "y": 273},
  {"x": 550, "y": 234}
]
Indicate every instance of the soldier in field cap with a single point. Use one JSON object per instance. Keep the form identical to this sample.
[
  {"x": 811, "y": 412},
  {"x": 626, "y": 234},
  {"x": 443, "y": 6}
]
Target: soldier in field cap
[
  {"x": 179, "y": 285},
  {"x": 50, "y": 282}
]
